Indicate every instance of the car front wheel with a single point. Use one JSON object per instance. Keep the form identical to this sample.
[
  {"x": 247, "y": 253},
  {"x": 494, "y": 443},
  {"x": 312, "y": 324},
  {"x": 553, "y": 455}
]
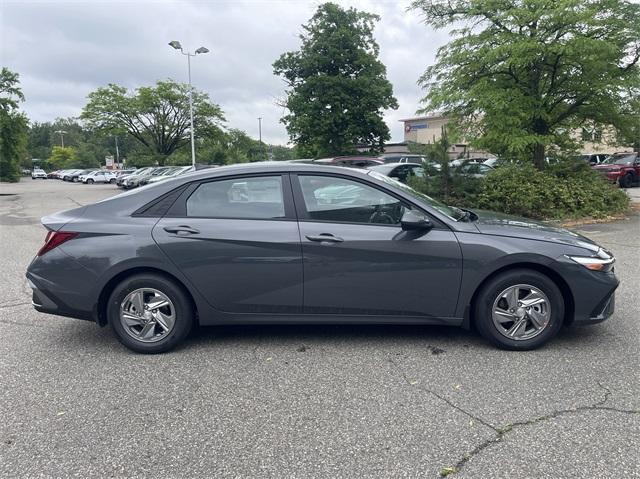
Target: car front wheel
[
  {"x": 626, "y": 181},
  {"x": 90, "y": 181},
  {"x": 150, "y": 313},
  {"x": 519, "y": 310}
]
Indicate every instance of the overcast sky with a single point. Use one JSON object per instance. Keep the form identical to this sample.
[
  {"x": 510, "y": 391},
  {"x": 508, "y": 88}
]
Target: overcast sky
[{"x": 64, "y": 50}]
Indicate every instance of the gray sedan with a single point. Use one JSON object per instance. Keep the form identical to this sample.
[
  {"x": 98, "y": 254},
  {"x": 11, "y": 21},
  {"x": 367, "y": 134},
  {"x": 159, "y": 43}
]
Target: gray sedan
[{"x": 296, "y": 243}]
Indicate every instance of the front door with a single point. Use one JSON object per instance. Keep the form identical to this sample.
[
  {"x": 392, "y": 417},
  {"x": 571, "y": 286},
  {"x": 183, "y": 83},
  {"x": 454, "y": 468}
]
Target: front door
[
  {"x": 238, "y": 243},
  {"x": 359, "y": 261}
]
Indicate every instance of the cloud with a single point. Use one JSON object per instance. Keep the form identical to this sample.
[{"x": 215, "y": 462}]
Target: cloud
[{"x": 65, "y": 50}]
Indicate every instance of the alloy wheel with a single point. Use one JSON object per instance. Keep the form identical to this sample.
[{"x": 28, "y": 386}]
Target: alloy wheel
[
  {"x": 521, "y": 312},
  {"x": 147, "y": 315}
]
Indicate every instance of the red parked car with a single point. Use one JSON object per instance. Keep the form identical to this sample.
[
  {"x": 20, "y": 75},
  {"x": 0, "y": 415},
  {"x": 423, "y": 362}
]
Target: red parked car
[{"x": 623, "y": 168}]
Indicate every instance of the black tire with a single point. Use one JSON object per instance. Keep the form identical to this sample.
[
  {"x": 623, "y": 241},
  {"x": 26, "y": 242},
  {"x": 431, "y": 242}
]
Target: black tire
[
  {"x": 626, "y": 181},
  {"x": 183, "y": 312},
  {"x": 491, "y": 290},
  {"x": 112, "y": 181},
  {"x": 89, "y": 181}
]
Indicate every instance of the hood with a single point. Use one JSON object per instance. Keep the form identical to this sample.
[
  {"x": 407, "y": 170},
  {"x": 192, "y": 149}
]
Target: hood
[{"x": 490, "y": 222}]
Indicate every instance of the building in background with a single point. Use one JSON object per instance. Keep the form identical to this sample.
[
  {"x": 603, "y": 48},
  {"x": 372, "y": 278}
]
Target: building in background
[{"x": 428, "y": 129}]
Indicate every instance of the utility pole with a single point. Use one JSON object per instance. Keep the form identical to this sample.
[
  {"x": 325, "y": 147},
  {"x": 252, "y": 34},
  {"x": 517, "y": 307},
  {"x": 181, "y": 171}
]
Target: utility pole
[
  {"x": 61, "y": 133},
  {"x": 260, "y": 136}
]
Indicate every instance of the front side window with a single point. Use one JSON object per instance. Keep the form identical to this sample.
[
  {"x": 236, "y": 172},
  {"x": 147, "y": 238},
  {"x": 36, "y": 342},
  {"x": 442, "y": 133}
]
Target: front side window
[
  {"x": 257, "y": 198},
  {"x": 335, "y": 199}
]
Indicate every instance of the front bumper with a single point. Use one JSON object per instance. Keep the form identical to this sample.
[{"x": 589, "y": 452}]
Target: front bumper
[{"x": 593, "y": 295}]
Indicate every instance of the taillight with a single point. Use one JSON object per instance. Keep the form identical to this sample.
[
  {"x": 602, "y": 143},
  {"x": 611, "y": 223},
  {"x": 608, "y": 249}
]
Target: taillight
[{"x": 55, "y": 239}]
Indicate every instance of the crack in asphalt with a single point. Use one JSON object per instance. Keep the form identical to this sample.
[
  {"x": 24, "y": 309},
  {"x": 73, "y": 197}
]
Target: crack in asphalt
[
  {"x": 442, "y": 398},
  {"x": 74, "y": 201},
  {"x": 13, "y": 305},
  {"x": 502, "y": 431}
]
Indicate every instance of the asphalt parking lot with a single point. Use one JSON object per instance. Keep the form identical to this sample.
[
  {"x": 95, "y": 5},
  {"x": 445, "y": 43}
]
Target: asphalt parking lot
[{"x": 308, "y": 401}]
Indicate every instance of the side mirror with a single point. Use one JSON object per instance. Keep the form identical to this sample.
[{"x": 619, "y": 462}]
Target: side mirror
[{"x": 413, "y": 220}]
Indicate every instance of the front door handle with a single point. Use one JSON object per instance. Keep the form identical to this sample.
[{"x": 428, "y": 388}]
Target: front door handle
[
  {"x": 325, "y": 237},
  {"x": 181, "y": 229}
]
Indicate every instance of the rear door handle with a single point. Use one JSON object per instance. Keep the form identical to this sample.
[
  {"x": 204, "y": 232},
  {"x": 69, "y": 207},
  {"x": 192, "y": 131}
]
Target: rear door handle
[
  {"x": 325, "y": 237},
  {"x": 181, "y": 229}
]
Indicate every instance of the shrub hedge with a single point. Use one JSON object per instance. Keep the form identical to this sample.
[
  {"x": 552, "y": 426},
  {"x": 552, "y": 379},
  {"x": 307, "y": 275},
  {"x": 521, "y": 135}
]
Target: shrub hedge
[{"x": 567, "y": 190}]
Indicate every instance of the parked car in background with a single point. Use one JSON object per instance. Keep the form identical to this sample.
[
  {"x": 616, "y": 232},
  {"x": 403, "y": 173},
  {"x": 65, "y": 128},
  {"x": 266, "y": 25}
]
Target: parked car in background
[
  {"x": 99, "y": 176},
  {"x": 75, "y": 176},
  {"x": 139, "y": 171},
  {"x": 180, "y": 170},
  {"x": 68, "y": 174},
  {"x": 313, "y": 244},
  {"x": 133, "y": 177},
  {"x": 52, "y": 174},
  {"x": 621, "y": 168},
  {"x": 400, "y": 171},
  {"x": 472, "y": 169},
  {"x": 38, "y": 173},
  {"x": 350, "y": 161},
  {"x": 164, "y": 174},
  {"x": 594, "y": 158},
  {"x": 120, "y": 173},
  {"x": 402, "y": 158},
  {"x": 133, "y": 181}
]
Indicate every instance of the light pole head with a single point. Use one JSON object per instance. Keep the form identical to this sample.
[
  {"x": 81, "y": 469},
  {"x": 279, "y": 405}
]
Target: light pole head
[
  {"x": 175, "y": 44},
  {"x": 202, "y": 50}
]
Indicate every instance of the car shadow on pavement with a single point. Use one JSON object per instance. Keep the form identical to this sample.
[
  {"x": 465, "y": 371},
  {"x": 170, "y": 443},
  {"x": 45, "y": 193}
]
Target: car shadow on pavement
[{"x": 86, "y": 336}]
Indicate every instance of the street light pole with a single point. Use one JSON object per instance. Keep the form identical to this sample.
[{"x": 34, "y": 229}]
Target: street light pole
[
  {"x": 117, "y": 153},
  {"x": 176, "y": 45},
  {"x": 61, "y": 133},
  {"x": 260, "y": 136}
]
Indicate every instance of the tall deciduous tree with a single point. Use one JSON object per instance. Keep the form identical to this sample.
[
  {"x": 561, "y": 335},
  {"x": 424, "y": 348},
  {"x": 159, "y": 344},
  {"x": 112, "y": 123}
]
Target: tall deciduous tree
[
  {"x": 157, "y": 117},
  {"x": 13, "y": 126},
  {"x": 337, "y": 87},
  {"x": 520, "y": 75}
]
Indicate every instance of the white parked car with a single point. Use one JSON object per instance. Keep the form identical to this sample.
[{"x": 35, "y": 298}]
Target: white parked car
[
  {"x": 100, "y": 176},
  {"x": 170, "y": 174},
  {"x": 38, "y": 173}
]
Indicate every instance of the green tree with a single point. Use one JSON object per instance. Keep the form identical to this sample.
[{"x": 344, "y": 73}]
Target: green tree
[
  {"x": 157, "y": 117},
  {"x": 62, "y": 157},
  {"x": 337, "y": 87},
  {"x": 521, "y": 75},
  {"x": 13, "y": 126}
]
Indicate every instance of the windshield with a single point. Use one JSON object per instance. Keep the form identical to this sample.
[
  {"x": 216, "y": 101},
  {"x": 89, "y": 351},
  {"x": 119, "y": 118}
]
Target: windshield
[
  {"x": 453, "y": 213},
  {"x": 620, "y": 160}
]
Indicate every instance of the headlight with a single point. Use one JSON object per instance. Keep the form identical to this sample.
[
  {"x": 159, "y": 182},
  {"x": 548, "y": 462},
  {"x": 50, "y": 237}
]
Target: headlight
[{"x": 602, "y": 261}]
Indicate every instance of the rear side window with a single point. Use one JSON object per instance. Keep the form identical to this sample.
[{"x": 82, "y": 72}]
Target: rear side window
[{"x": 256, "y": 198}]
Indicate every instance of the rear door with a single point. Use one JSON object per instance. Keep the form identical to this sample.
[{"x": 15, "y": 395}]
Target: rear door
[
  {"x": 359, "y": 261},
  {"x": 237, "y": 241}
]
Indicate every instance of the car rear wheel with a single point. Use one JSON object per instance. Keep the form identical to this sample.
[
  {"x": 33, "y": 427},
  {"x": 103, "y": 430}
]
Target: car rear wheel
[
  {"x": 112, "y": 181},
  {"x": 626, "y": 181},
  {"x": 519, "y": 310},
  {"x": 150, "y": 313}
]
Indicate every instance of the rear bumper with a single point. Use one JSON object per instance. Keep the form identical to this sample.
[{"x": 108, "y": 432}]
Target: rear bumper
[
  {"x": 45, "y": 301},
  {"x": 62, "y": 286}
]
